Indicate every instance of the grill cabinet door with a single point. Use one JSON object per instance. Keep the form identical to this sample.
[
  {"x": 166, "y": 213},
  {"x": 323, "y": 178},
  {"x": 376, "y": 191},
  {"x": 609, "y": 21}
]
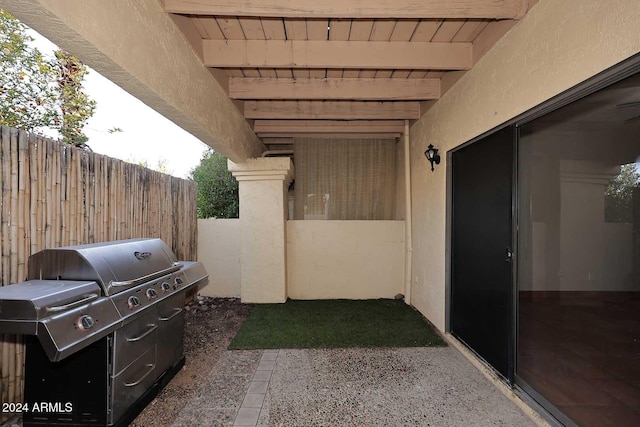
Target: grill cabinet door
[{"x": 170, "y": 332}]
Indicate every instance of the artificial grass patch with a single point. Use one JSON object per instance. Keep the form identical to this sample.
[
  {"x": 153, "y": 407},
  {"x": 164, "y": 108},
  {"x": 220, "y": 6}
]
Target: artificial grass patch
[{"x": 335, "y": 323}]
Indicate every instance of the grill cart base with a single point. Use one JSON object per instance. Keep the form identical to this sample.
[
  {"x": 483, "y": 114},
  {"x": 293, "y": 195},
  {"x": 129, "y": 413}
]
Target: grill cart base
[{"x": 80, "y": 380}]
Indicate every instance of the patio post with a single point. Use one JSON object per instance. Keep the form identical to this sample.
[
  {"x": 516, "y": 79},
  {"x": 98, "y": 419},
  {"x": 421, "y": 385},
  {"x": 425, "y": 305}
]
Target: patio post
[{"x": 263, "y": 184}]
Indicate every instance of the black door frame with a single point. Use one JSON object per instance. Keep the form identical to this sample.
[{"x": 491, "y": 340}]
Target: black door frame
[{"x": 605, "y": 78}]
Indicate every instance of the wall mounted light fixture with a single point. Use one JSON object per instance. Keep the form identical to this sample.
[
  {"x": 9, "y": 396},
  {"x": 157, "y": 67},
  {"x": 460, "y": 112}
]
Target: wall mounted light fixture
[{"x": 432, "y": 155}]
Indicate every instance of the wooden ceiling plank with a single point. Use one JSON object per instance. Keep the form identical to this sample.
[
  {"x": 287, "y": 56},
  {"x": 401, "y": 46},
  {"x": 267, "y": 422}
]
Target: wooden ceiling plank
[
  {"x": 400, "y": 74},
  {"x": 463, "y": 9},
  {"x": 448, "y": 30},
  {"x": 385, "y": 74},
  {"x": 235, "y": 72},
  {"x": 296, "y": 29},
  {"x": 317, "y": 73},
  {"x": 284, "y": 73},
  {"x": 425, "y": 30},
  {"x": 381, "y": 31},
  {"x": 417, "y": 74},
  {"x": 336, "y": 54},
  {"x": 345, "y": 89},
  {"x": 301, "y": 73},
  {"x": 252, "y": 28},
  {"x": 360, "y": 31},
  {"x": 251, "y": 72},
  {"x": 339, "y": 30},
  {"x": 343, "y": 110},
  {"x": 469, "y": 31},
  {"x": 268, "y": 73},
  {"x": 210, "y": 27},
  {"x": 324, "y": 126},
  {"x": 231, "y": 28},
  {"x": 367, "y": 74},
  {"x": 273, "y": 30},
  {"x": 479, "y": 30},
  {"x": 402, "y": 32},
  {"x": 197, "y": 24},
  {"x": 317, "y": 30}
]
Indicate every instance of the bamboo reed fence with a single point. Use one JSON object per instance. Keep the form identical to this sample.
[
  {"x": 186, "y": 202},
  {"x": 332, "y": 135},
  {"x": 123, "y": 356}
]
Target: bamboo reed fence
[{"x": 53, "y": 194}]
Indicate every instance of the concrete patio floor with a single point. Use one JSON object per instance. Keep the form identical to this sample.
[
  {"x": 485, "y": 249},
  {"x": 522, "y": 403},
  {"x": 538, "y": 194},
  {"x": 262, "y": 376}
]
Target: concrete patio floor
[{"x": 355, "y": 387}]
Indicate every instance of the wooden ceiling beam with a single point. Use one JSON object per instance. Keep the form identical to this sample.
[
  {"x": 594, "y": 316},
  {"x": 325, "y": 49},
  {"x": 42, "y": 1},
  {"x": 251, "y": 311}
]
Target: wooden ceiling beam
[
  {"x": 461, "y": 9},
  {"x": 327, "y": 126},
  {"x": 381, "y": 135},
  {"x": 335, "y": 89},
  {"x": 343, "y": 110},
  {"x": 336, "y": 54}
]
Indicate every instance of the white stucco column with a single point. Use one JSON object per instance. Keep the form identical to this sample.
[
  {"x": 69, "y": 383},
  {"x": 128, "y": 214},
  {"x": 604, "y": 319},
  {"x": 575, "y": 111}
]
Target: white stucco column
[{"x": 263, "y": 184}]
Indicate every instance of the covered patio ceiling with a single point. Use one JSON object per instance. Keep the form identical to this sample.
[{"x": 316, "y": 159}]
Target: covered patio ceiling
[{"x": 339, "y": 67}]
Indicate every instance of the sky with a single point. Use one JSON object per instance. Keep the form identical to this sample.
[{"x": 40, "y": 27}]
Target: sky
[{"x": 146, "y": 135}]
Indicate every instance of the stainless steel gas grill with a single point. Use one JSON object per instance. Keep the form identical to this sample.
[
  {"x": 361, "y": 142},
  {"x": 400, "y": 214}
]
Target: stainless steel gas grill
[{"x": 104, "y": 325}]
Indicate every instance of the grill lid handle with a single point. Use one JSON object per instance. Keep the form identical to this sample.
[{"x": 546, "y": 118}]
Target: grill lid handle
[
  {"x": 175, "y": 267},
  {"x": 84, "y": 300}
]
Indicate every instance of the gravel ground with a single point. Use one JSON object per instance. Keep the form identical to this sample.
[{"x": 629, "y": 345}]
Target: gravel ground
[{"x": 211, "y": 324}]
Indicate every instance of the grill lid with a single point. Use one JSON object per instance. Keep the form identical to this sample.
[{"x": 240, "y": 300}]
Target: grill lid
[{"x": 115, "y": 265}]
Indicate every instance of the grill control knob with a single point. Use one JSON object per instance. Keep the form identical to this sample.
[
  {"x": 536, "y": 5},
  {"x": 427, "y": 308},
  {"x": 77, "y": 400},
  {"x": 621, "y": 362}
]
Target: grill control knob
[
  {"x": 166, "y": 287},
  {"x": 133, "y": 302},
  {"x": 85, "y": 322},
  {"x": 177, "y": 281},
  {"x": 151, "y": 293}
]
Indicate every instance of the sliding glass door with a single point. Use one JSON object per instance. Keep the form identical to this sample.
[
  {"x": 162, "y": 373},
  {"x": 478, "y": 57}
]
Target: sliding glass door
[
  {"x": 578, "y": 283},
  {"x": 567, "y": 329}
]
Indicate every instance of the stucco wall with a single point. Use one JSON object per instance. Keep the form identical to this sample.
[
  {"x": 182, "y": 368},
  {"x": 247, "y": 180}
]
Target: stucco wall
[
  {"x": 557, "y": 45},
  {"x": 219, "y": 251},
  {"x": 345, "y": 259}
]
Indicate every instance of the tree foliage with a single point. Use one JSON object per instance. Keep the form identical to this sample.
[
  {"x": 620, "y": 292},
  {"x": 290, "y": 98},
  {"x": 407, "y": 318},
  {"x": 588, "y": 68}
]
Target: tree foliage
[
  {"x": 37, "y": 93},
  {"x": 28, "y": 94},
  {"x": 217, "y": 189},
  {"x": 162, "y": 165},
  {"x": 75, "y": 105},
  {"x": 618, "y": 206}
]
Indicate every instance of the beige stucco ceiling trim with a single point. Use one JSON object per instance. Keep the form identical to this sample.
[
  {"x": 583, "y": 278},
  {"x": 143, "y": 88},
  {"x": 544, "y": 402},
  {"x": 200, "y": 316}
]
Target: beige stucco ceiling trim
[{"x": 135, "y": 44}]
